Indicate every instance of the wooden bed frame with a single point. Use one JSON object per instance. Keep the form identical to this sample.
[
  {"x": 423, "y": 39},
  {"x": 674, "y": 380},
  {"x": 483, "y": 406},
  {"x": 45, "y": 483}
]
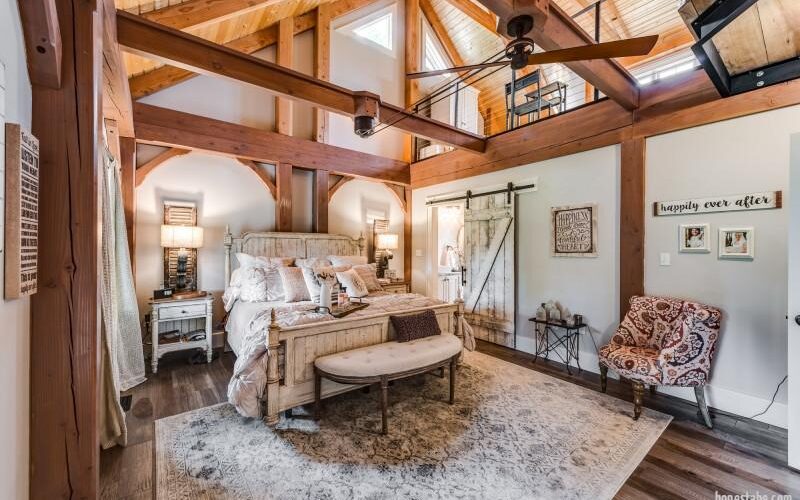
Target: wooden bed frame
[{"x": 292, "y": 350}]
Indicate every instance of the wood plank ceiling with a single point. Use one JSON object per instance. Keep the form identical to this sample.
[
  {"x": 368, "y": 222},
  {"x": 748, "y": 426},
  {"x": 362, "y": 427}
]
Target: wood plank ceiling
[{"x": 467, "y": 23}]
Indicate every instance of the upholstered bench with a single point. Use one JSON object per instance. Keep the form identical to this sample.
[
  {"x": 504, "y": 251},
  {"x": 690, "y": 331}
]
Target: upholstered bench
[{"x": 381, "y": 363}]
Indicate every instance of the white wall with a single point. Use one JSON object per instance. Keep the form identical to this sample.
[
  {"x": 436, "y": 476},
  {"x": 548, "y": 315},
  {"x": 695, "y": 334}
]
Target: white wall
[
  {"x": 226, "y": 193},
  {"x": 349, "y": 208},
  {"x": 15, "y": 106},
  {"x": 739, "y": 156},
  {"x": 588, "y": 286}
]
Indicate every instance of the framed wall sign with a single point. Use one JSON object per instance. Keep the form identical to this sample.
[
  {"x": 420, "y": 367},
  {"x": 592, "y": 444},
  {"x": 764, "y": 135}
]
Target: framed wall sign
[
  {"x": 732, "y": 203},
  {"x": 573, "y": 231},
  {"x": 22, "y": 212}
]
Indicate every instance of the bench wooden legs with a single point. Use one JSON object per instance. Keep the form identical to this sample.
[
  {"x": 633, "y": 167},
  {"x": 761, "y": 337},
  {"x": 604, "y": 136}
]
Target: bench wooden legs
[
  {"x": 453, "y": 363},
  {"x": 384, "y": 405}
]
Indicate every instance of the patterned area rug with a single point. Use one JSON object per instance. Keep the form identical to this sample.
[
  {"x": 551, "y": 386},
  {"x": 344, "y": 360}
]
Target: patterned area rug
[{"x": 513, "y": 433}]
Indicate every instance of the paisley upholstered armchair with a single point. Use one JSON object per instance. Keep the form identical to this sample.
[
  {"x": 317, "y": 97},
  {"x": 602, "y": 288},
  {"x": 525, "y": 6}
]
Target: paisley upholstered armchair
[{"x": 663, "y": 341}]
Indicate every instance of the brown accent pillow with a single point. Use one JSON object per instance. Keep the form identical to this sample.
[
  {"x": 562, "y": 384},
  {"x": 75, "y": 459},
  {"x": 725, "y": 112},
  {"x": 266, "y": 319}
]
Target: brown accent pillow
[{"x": 415, "y": 326}]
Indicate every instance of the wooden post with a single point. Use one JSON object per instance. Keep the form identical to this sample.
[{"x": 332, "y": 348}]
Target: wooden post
[
  {"x": 407, "y": 247},
  {"x": 283, "y": 203},
  {"x": 273, "y": 372},
  {"x": 322, "y": 65},
  {"x": 65, "y": 326},
  {"x": 127, "y": 153},
  {"x": 631, "y": 221},
  {"x": 283, "y": 106},
  {"x": 412, "y": 56},
  {"x": 321, "y": 182}
]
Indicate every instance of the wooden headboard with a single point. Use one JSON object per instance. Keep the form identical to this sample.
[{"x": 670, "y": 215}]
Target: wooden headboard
[{"x": 299, "y": 245}]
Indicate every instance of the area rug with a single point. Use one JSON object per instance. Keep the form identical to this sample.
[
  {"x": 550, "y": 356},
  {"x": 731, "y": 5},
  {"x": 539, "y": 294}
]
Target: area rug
[{"x": 512, "y": 433}]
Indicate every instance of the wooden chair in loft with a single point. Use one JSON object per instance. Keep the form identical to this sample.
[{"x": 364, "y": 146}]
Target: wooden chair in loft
[
  {"x": 552, "y": 96},
  {"x": 663, "y": 341}
]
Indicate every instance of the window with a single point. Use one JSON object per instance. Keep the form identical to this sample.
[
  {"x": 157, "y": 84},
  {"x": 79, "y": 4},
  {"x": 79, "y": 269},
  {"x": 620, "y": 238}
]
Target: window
[
  {"x": 433, "y": 58},
  {"x": 377, "y": 30},
  {"x": 673, "y": 64}
]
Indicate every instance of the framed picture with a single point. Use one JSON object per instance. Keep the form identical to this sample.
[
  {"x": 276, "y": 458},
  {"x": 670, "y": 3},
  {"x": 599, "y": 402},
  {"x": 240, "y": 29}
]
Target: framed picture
[
  {"x": 573, "y": 231},
  {"x": 736, "y": 243},
  {"x": 694, "y": 238}
]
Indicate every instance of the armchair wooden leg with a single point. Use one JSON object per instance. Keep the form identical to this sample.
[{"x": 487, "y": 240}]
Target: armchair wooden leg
[
  {"x": 384, "y": 405},
  {"x": 638, "y": 393},
  {"x": 453, "y": 363},
  {"x": 700, "y": 395},
  {"x": 653, "y": 389},
  {"x": 603, "y": 377},
  {"x": 317, "y": 395}
]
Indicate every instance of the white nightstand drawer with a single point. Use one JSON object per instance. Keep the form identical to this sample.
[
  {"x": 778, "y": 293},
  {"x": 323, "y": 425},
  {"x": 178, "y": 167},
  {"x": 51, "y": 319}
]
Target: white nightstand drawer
[{"x": 182, "y": 311}]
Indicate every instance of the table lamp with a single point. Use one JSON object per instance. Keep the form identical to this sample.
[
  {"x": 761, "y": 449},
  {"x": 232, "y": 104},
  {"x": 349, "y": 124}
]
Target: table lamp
[
  {"x": 182, "y": 237},
  {"x": 386, "y": 242}
]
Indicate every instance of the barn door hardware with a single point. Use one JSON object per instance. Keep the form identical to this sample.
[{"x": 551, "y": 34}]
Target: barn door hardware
[{"x": 510, "y": 189}]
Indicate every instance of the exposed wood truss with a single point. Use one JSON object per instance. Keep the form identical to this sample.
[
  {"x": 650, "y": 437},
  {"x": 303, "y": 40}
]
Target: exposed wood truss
[
  {"x": 341, "y": 181},
  {"x": 165, "y": 127},
  {"x": 167, "y": 76},
  {"x": 144, "y": 170},
  {"x": 480, "y": 16},
  {"x": 42, "y": 42},
  {"x": 679, "y": 103},
  {"x": 322, "y": 66},
  {"x": 197, "y": 13},
  {"x": 283, "y": 200},
  {"x": 283, "y": 106},
  {"x": 262, "y": 175},
  {"x": 631, "y": 221},
  {"x": 321, "y": 199},
  {"x": 142, "y": 36},
  {"x": 441, "y": 32}
]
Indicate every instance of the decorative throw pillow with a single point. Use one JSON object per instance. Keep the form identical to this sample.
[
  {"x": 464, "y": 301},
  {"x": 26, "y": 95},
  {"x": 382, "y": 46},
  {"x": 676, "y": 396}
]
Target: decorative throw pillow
[
  {"x": 254, "y": 285},
  {"x": 353, "y": 284},
  {"x": 370, "y": 277},
  {"x": 312, "y": 262},
  {"x": 274, "y": 283},
  {"x": 415, "y": 326},
  {"x": 294, "y": 286},
  {"x": 281, "y": 261},
  {"x": 347, "y": 260},
  {"x": 313, "y": 282},
  {"x": 247, "y": 260}
]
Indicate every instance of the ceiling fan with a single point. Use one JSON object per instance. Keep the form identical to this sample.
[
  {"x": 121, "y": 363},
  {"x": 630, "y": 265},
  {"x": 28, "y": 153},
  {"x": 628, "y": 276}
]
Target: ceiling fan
[{"x": 519, "y": 51}]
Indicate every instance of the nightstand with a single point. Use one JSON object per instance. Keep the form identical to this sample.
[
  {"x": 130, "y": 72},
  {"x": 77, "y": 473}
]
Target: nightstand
[
  {"x": 185, "y": 316},
  {"x": 396, "y": 287}
]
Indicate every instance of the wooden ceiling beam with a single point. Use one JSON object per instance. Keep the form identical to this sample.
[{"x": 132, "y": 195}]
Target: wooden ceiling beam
[
  {"x": 198, "y": 13},
  {"x": 670, "y": 41},
  {"x": 555, "y": 29},
  {"x": 441, "y": 32},
  {"x": 176, "y": 47},
  {"x": 262, "y": 175},
  {"x": 166, "y": 127},
  {"x": 322, "y": 66},
  {"x": 344, "y": 179},
  {"x": 42, "y": 42},
  {"x": 682, "y": 102},
  {"x": 142, "y": 171},
  {"x": 477, "y": 14},
  {"x": 284, "y": 55},
  {"x": 166, "y": 76}
]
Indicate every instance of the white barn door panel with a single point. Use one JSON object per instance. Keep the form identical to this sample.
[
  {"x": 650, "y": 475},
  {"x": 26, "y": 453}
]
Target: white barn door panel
[{"x": 489, "y": 289}]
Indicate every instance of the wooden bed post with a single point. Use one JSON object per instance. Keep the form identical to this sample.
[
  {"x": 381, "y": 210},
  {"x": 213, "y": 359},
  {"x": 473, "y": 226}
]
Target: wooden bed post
[
  {"x": 273, "y": 374},
  {"x": 227, "y": 240}
]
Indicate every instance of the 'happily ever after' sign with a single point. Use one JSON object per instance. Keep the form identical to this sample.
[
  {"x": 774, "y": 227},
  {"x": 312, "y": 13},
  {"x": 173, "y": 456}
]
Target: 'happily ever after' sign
[{"x": 752, "y": 201}]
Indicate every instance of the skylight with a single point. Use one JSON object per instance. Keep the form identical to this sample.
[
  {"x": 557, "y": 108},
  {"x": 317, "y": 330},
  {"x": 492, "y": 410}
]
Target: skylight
[
  {"x": 679, "y": 62},
  {"x": 378, "y": 31}
]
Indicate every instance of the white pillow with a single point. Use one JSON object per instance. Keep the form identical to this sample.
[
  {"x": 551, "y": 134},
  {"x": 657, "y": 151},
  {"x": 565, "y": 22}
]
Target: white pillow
[
  {"x": 313, "y": 282},
  {"x": 347, "y": 260},
  {"x": 294, "y": 286},
  {"x": 353, "y": 284},
  {"x": 247, "y": 260},
  {"x": 254, "y": 285},
  {"x": 312, "y": 262}
]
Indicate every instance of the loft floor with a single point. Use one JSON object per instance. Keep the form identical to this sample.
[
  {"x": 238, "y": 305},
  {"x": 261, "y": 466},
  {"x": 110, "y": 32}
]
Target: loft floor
[{"x": 688, "y": 460}]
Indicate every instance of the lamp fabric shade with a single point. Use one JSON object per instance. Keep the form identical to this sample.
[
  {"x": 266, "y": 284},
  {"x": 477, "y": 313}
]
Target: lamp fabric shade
[
  {"x": 181, "y": 236},
  {"x": 387, "y": 241}
]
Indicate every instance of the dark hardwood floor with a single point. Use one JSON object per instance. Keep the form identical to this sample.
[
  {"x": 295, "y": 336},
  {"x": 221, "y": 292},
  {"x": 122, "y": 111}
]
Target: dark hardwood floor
[{"x": 688, "y": 461}]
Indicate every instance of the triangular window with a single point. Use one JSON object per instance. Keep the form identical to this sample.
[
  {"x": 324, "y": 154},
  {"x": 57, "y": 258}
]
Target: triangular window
[
  {"x": 433, "y": 57},
  {"x": 378, "y": 30}
]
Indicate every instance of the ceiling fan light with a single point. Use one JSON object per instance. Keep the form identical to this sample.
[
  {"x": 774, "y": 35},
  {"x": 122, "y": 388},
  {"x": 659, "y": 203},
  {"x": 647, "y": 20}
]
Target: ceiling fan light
[{"x": 364, "y": 125}]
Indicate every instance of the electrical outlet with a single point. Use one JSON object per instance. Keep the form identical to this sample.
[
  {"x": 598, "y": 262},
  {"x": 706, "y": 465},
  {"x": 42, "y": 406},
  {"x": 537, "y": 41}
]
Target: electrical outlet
[{"x": 665, "y": 259}]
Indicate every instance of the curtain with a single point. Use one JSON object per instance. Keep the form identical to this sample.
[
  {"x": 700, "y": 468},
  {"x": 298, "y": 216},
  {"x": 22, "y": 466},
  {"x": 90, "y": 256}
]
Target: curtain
[{"x": 122, "y": 357}]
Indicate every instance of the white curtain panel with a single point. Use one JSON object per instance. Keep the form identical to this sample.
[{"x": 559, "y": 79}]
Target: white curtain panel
[{"x": 121, "y": 329}]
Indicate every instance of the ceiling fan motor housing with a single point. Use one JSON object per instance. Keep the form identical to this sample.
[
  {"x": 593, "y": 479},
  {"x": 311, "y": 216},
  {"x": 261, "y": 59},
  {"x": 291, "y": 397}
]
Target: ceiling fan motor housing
[
  {"x": 521, "y": 46},
  {"x": 365, "y": 117}
]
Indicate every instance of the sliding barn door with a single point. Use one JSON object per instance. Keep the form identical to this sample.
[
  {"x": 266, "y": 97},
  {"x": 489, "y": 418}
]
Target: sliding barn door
[{"x": 489, "y": 296}]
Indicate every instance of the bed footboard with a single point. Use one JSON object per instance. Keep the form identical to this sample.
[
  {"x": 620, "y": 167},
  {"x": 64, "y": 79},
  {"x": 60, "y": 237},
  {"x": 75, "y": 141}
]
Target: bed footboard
[{"x": 292, "y": 351}]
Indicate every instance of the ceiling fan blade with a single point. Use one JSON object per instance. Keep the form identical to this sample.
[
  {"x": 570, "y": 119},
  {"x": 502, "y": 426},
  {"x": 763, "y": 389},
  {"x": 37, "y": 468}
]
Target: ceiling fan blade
[
  {"x": 457, "y": 69},
  {"x": 620, "y": 48}
]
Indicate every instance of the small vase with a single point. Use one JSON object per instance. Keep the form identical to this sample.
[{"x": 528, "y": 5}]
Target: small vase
[{"x": 325, "y": 296}]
